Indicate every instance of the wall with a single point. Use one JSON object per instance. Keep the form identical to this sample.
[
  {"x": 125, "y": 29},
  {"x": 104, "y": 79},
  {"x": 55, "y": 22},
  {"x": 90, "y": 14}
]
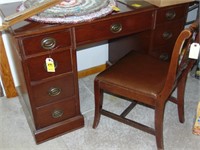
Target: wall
[
  {"x": 86, "y": 57},
  {"x": 7, "y": 1}
]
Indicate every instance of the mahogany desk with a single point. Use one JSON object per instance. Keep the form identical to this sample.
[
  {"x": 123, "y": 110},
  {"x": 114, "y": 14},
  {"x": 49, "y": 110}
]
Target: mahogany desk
[{"x": 52, "y": 99}]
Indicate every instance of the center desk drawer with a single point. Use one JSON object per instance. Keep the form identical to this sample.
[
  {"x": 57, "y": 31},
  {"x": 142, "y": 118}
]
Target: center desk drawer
[
  {"x": 36, "y": 66},
  {"x": 54, "y": 90},
  {"x": 112, "y": 28},
  {"x": 46, "y": 42}
]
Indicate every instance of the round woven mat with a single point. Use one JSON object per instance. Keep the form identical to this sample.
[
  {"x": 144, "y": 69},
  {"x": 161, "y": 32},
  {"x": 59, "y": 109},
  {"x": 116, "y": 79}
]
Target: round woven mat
[{"x": 71, "y": 11}]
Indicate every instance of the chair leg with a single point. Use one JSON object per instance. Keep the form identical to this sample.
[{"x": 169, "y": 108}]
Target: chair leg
[
  {"x": 98, "y": 94},
  {"x": 159, "y": 117},
  {"x": 180, "y": 99}
]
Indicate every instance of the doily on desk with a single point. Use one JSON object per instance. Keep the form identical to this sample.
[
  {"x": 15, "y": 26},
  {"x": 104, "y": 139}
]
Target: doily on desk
[{"x": 71, "y": 11}]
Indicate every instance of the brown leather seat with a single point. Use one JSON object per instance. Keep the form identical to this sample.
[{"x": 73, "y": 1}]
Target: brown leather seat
[{"x": 147, "y": 80}]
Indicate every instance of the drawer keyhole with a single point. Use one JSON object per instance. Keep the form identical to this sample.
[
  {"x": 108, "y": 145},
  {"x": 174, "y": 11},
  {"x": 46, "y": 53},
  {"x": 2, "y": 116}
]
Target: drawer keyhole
[{"x": 116, "y": 28}]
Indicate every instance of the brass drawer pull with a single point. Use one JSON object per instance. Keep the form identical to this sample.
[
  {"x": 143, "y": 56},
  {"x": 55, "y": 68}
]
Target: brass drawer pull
[
  {"x": 167, "y": 35},
  {"x": 54, "y": 91},
  {"x": 164, "y": 56},
  {"x": 170, "y": 15},
  {"x": 48, "y": 43},
  {"x": 116, "y": 28},
  {"x": 57, "y": 113}
]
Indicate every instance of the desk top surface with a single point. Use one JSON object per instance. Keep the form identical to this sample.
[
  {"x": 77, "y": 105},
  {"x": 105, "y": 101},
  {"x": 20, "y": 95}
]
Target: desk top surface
[{"x": 31, "y": 26}]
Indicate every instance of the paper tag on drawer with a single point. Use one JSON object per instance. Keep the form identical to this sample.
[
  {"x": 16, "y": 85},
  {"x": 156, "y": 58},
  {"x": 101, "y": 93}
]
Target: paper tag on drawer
[
  {"x": 194, "y": 51},
  {"x": 115, "y": 8},
  {"x": 50, "y": 65}
]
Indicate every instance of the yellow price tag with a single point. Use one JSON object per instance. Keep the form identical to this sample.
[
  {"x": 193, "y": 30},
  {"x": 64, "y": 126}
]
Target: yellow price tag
[
  {"x": 50, "y": 65},
  {"x": 136, "y": 5},
  {"x": 115, "y": 8}
]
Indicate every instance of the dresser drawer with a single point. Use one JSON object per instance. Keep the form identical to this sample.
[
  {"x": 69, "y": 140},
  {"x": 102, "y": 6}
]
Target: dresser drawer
[
  {"x": 171, "y": 13},
  {"x": 37, "y": 68},
  {"x": 114, "y": 28},
  {"x": 45, "y": 42},
  {"x": 55, "y": 112},
  {"x": 163, "y": 53},
  {"x": 54, "y": 90},
  {"x": 167, "y": 33}
]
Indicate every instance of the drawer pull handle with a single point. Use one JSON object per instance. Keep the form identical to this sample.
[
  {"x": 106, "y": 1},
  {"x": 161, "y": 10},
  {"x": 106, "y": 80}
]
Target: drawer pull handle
[
  {"x": 48, "y": 43},
  {"x": 170, "y": 15},
  {"x": 54, "y": 91},
  {"x": 116, "y": 28},
  {"x": 57, "y": 113},
  {"x": 167, "y": 35},
  {"x": 164, "y": 57}
]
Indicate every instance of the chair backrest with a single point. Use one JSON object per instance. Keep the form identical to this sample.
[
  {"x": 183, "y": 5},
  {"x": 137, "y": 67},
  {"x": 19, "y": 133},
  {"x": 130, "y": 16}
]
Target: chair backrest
[{"x": 180, "y": 64}]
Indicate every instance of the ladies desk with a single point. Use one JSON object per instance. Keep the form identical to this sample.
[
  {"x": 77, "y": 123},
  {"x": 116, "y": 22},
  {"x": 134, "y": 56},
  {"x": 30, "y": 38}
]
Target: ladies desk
[{"x": 52, "y": 98}]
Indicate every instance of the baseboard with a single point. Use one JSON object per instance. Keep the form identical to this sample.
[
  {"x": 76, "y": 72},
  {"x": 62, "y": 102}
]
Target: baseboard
[{"x": 91, "y": 71}]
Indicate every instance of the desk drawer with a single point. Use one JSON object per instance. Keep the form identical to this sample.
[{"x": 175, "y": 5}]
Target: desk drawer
[
  {"x": 167, "y": 14},
  {"x": 114, "y": 28},
  {"x": 54, "y": 90},
  {"x": 37, "y": 68},
  {"x": 163, "y": 53},
  {"x": 167, "y": 33},
  {"x": 46, "y": 42},
  {"x": 55, "y": 112}
]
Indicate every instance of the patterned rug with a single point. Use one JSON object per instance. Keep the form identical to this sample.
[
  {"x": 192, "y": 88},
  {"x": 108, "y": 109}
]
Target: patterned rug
[{"x": 71, "y": 11}]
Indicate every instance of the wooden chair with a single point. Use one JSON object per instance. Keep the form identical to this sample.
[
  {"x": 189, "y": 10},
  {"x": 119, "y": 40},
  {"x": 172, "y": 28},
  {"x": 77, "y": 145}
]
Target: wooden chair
[{"x": 146, "y": 80}]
